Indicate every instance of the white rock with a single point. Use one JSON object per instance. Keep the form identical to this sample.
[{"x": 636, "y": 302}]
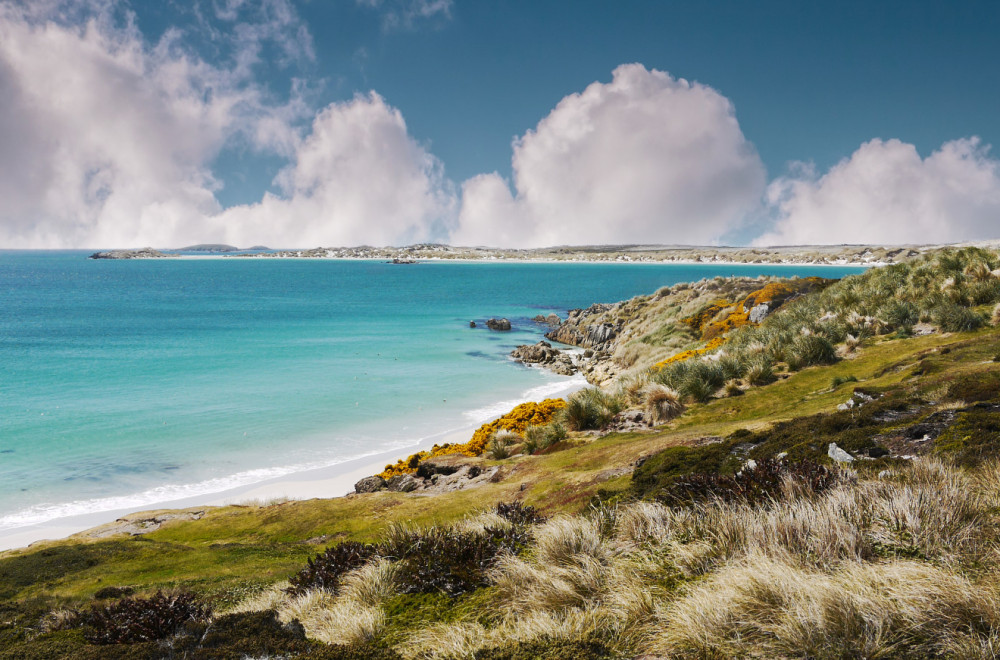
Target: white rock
[
  {"x": 838, "y": 454},
  {"x": 750, "y": 465}
]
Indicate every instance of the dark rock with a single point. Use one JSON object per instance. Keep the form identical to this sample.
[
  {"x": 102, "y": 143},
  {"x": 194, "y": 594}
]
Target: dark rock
[
  {"x": 402, "y": 483},
  {"x": 472, "y": 324},
  {"x": 877, "y": 452},
  {"x": 370, "y": 485},
  {"x": 474, "y": 471},
  {"x": 428, "y": 469},
  {"x": 500, "y": 325}
]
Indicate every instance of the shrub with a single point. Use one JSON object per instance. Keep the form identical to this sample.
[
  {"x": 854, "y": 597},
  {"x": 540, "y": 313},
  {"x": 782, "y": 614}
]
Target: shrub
[
  {"x": 808, "y": 350},
  {"x": 662, "y": 403},
  {"x": 760, "y": 371},
  {"x": 754, "y": 485},
  {"x": 733, "y": 366},
  {"x": 840, "y": 380},
  {"x": 325, "y": 570},
  {"x": 133, "y": 620},
  {"x": 518, "y": 513},
  {"x": 449, "y": 561},
  {"x": 897, "y": 313},
  {"x": 952, "y": 317},
  {"x": 701, "y": 380},
  {"x": 500, "y": 446},
  {"x": 590, "y": 408}
]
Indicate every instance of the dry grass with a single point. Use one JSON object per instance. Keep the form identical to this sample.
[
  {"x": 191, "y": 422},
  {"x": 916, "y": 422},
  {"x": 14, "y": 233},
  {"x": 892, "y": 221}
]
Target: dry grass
[
  {"x": 769, "y": 607},
  {"x": 871, "y": 568},
  {"x": 662, "y": 403}
]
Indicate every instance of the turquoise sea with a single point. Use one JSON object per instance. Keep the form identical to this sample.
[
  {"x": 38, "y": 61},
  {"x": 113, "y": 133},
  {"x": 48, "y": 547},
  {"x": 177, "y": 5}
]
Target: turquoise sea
[{"x": 129, "y": 383}]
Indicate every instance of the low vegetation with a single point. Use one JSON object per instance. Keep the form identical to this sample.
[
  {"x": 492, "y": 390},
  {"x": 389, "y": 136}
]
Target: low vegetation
[{"x": 733, "y": 527}]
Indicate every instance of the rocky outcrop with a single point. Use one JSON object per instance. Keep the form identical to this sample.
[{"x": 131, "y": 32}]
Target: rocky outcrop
[
  {"x": 402, "y": 483},
  {"x": 552, "y": 319},
  {"x": 500, "y": 325},
  {"x": 370, "y": 485},
  {"x": 587, "y": 328},
  {"x": 543, "y": 354},
  {"x": 144, "y": 522},
  {"x": 441, "y": 474},
  {"x": 144, "y": 253}
]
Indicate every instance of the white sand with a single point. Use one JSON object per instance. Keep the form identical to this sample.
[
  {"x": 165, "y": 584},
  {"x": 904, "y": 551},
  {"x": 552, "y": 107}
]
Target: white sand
[{"x": 333, "y": 481}]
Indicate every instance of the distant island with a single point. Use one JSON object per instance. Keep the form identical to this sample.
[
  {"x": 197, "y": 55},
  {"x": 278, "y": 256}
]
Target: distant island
[{"x": 794, "y": 254}]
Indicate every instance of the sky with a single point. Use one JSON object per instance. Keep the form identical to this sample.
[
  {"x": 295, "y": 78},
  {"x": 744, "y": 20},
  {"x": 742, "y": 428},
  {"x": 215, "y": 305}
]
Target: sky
[{"x": 304, "y": 123}]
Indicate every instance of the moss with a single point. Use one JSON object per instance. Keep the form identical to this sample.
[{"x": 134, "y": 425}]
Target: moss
[
  {"x": 973, "y": 438},
  {"x": 975, "y": 387},
  {"x": 660, "y": 470},
  {"x": 50, "y": 565}
]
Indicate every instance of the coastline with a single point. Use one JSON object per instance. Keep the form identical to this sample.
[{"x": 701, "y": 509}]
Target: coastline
[
  {"x": 316, "y": 483},
  {"x": 545, "y": 260}
]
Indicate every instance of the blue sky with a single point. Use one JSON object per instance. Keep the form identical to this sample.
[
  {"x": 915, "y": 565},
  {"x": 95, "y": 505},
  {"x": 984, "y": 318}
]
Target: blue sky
[{"x": 809, "y": 86}]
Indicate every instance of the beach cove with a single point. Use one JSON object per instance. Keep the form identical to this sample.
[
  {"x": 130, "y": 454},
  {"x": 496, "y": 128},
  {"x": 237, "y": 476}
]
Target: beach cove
[{"x": 145, "y": 384}]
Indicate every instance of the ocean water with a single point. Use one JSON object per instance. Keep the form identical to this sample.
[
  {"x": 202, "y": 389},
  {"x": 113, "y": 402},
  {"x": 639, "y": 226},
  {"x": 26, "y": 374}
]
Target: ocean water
[{"x": 126, "y": 383}]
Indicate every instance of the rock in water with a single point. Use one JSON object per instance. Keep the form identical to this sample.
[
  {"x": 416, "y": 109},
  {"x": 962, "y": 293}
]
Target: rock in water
[
  {"x": 472, "y": 324},
  {"x": 370, "y": 484},
  {"x": 838, "y": 454},
  {"x": 500, "y": 325}
]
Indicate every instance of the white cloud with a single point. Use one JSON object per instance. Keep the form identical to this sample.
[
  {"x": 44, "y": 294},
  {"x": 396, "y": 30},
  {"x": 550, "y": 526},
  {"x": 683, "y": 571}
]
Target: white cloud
[
  {"x": 108, "y": 140},
  {"x": 358, "y": 177},
  {"x": 645, "y": 158},
  {"x": 407, "y": 14},
  {"x": 886, "y": 193}
]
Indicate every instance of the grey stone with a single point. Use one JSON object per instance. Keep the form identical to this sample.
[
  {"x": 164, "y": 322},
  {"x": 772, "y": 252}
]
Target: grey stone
[
  {"x": 758, "y": 313},
  {"x": 838, "y": 454},
  {"x": 369, "y": 485},
  {"x": 402, "y": 483}
]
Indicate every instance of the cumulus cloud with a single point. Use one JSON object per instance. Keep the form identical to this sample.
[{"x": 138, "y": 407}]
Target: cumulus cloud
[
  {"x": 645, "y": 158},
  {"x": 886, "y": 193},
  {"x": 357, "y": 177},
  {"x": 109, "y": 141}
]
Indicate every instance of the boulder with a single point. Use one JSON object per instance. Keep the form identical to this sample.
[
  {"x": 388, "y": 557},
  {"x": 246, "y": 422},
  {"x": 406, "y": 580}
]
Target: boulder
[
  {"x": 402, "y": 483},
  {"x": 553, "y": 319},
  {"x": 838, "y": 454},
  {"x": 758, "y": 313},
  {"x": 370, "y": 484},
  {"x": 500, "y": 325}
]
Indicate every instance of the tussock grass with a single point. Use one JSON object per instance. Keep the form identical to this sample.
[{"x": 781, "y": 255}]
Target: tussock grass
[
  {"x": 772, "y": 607},
  {"x": 662, "y": 403}
]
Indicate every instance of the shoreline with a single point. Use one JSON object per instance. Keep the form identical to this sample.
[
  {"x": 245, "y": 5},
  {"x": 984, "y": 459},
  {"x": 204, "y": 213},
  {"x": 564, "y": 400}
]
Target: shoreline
[
  {"x": 315, "y": 483},
  {"x": 516, "y": 260}
]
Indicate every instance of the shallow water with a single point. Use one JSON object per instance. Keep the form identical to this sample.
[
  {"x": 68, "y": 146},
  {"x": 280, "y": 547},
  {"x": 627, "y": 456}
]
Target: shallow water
[{"x": 125, "y": 383}]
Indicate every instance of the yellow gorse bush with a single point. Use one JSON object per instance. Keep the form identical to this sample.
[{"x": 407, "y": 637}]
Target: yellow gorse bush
[{"x": 517, "y": 421}]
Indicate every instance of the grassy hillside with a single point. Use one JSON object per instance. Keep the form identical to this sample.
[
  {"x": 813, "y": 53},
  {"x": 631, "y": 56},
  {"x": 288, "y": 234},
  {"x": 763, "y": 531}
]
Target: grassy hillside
[{"x": 725, "y": 530}]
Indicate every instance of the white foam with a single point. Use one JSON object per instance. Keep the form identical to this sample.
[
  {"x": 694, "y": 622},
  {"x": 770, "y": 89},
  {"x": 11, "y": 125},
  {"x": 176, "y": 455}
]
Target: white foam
[
  {"x": 163, "y": 495},
  {"x": 46, "y": 512},
  {"x": 561, "y": 387}
]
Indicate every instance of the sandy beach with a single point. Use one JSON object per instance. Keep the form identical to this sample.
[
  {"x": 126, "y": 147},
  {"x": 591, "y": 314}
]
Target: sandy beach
[{"x": 333, "y": 481}]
